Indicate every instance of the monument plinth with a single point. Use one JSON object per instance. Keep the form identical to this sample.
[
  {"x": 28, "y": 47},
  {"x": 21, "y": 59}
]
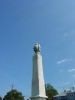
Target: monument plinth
[{"x": 38, "y": 85}]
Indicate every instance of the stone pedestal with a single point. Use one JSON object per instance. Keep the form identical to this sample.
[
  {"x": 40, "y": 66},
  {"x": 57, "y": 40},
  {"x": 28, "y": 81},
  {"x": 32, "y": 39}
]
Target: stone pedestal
[
  {"x": 38, "y": 85},
  {"x": 38, "y": 98}
]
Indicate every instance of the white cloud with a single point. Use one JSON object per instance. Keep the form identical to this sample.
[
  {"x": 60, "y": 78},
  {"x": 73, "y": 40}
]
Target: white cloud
[
  {"x": 65, "y": 34},
  {"x": 71, "y": 70},
  {"x": 63, "y": 61},
  {"x": 69, "y": 34},
  {"x": 67, "y": 83},
  {"x": 74, "y": 76},
  {"x": 61, "y": 70}
]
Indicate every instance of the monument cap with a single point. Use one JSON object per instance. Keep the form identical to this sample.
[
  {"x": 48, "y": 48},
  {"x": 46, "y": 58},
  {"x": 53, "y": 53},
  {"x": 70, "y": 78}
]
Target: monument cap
[{"x": 37, "y": 48}]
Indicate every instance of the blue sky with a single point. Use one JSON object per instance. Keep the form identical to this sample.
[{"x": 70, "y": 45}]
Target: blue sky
[{"x": 26, "y": 22}]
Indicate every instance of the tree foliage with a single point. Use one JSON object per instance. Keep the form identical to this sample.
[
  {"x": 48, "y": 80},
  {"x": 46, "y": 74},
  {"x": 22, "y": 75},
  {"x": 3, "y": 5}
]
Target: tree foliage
[
  {"x": 0, "y": 98},
  {"x": 50, "y": 91},
  {"x": 13, "y": 95}
]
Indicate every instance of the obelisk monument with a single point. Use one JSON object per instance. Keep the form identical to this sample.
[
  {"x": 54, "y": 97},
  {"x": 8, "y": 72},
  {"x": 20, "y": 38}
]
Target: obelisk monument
[{"x": 38, "y": 85}]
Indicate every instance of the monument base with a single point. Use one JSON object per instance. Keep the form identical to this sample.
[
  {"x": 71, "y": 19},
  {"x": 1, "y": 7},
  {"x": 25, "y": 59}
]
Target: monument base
[{"x": 39, "y": 98}]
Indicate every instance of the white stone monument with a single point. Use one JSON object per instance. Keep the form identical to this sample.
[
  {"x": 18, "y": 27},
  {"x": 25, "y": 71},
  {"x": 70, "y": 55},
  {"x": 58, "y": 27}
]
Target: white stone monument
[{"x": 38, "y": 85}]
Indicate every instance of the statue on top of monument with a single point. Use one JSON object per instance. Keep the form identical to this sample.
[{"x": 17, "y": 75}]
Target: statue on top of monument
[{"x": 37, "y": 48}]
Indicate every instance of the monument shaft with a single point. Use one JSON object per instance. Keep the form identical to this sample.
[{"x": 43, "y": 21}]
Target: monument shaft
[{"x": 38, "y": 85}]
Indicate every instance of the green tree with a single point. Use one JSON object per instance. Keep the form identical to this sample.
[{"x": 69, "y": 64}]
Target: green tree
[
  {"x": 13, "y": 95},
  {"x": 50, "y": 91},
  {"x": 0, "y": 98}
]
